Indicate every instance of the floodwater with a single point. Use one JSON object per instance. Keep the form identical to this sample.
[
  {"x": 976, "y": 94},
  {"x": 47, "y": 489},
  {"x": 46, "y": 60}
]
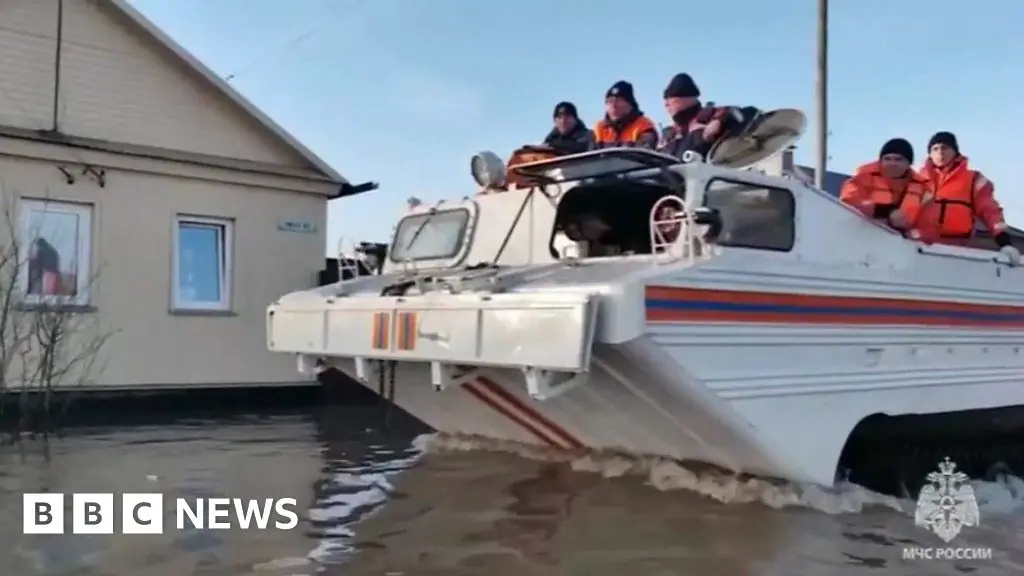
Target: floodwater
[{"x": 376, "y": 503}]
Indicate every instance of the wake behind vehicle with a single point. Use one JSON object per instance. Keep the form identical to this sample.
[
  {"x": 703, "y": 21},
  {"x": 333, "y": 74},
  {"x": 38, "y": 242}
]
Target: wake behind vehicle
[{"x": 625, "y": 300}]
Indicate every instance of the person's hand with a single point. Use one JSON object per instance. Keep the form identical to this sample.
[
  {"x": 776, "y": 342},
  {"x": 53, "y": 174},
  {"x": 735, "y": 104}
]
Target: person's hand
[
  {"x": 898, "y": 220},
  {"x": 865, "y": 207},
  {"x": 712, "y": 129},
  {"x": 1012, "y": 254}
]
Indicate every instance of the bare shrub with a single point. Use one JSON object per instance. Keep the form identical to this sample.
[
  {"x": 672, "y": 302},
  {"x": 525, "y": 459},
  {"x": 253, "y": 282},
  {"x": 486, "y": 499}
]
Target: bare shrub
[{"x": 50, "y": 340}]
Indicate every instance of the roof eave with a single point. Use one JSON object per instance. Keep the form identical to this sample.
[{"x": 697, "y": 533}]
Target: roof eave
[{"x": 220, "y": 84}]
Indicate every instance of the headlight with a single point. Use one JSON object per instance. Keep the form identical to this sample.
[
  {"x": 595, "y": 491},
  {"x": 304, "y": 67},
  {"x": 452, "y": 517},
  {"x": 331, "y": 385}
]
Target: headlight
[{"x": 488, "y": 170}]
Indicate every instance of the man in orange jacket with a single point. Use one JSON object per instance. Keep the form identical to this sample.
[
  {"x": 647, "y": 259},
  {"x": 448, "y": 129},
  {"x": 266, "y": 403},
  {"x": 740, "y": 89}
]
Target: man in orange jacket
[
  {"x": 962, "y": 196},
  {"x": 879, "y": 189},
  {"x": 624, "y": 124}
]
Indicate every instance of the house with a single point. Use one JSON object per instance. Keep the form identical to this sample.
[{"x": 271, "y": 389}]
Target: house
[
  {"x": 785, "y": 163},
  {"x": 145, "y": 193}
]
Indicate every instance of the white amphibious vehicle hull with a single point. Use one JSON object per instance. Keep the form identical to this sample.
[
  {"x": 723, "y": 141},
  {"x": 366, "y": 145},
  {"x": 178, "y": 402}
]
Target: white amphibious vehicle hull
[{"x": 757, "y": 360}]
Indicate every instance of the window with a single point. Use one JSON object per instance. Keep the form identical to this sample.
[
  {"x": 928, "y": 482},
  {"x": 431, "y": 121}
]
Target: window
[
  {"x": 430, "y": 236},
  {"x": 612, "y": 217},
  {"x": 753, "y": 216},
  {"x": 202, "y": 264},
  {"x": 55, "y": 251}
]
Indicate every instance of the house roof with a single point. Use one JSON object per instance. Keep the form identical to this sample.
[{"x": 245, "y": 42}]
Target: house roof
[{"x": 224, "y": 88}]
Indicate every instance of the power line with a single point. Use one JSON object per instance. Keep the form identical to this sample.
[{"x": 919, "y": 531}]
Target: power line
[
  {"x": 322, "y": 25},
  {"x": 277, "y": 51}
]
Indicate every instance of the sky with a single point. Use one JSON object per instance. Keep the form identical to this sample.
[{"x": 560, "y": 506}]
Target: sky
[{"x": 403, "y": 92}]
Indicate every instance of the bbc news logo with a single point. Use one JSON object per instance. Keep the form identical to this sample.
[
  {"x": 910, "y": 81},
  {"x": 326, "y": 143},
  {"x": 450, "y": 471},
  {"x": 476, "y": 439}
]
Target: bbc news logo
[{"x": 144, "y": 513}]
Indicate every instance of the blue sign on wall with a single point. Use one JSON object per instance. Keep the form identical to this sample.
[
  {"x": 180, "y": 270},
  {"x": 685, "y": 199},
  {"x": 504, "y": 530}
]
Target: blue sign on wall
[{"x": 300, "y": 226}]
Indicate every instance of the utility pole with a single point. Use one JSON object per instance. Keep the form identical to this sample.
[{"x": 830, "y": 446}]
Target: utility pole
[{"x": 821, "y": 95}]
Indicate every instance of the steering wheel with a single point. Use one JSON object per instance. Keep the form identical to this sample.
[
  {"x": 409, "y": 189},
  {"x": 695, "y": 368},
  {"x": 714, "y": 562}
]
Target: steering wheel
[{"x": 667, "y": 219}]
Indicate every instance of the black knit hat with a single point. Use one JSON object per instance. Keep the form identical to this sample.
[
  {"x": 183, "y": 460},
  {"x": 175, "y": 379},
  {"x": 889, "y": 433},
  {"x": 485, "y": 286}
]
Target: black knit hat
[
  {"x": 900, "y": 147},
  {"x": 624, "y": 90},
  {"x": 566, "y": 109},
  {"x": 947, "y": 138},
  {"x": 682, "y": 86}
]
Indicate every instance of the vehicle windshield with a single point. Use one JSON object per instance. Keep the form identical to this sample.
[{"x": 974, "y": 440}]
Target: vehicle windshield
[{"x": 428, "y": 236}]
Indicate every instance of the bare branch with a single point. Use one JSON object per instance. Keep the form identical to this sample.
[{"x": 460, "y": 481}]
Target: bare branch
[{"x": 48, "y": 341}]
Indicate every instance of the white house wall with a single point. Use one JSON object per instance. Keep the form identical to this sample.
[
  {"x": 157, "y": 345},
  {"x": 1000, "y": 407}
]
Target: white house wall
[
  {"x": 132, "y": 238},
  {"x": 117, "y": 85}
]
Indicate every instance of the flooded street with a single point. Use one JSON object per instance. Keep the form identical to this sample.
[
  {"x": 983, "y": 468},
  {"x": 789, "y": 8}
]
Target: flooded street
[{"x": 381, "y": 504}]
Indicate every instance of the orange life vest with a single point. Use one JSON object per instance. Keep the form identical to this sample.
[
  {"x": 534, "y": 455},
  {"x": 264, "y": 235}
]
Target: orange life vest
[
  {"x": 953, "y": 201},
  {"x": 605, "y": 134},
  {"x": 524, "y": 155},
  {"x": 882, "y": 190}
]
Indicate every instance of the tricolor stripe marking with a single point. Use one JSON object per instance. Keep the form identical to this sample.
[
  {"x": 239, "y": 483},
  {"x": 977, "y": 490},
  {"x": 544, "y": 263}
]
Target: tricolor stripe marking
[
  {"x": 380, "y": 337},
  {"x": 407, "y": 331},
  {"x": 673, "y": 304},
  {"x": 511, "y": 407}
]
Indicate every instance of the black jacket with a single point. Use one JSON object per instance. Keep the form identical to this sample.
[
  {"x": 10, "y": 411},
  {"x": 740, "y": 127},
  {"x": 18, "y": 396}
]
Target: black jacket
[
  {"x": 579, "y": 140},
  {"x": 687, "y": 131}
]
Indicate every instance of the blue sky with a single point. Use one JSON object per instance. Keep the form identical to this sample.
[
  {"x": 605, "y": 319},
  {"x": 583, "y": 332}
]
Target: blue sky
[{"x": 404, "y": 91}]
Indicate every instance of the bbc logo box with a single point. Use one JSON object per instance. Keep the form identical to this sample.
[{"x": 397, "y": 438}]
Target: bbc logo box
[
  {"x": 92, "y": 513},
  {"x": 144, "y": 513}
]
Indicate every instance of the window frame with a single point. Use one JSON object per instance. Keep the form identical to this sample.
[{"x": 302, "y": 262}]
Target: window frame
[
  {"x": 792, "y": 205},
  {"x": 457, "y": 253},
  {"x": 658, "y": 181},
  {"x": 84, "y": 274},
  {"x": 226, "y": 230}
]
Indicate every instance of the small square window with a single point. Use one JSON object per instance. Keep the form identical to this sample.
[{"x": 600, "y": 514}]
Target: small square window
[
  {"x": 754, "y": 216},
  {"x": 55, "y": 252},
  {"x": 202, "y": 264}
]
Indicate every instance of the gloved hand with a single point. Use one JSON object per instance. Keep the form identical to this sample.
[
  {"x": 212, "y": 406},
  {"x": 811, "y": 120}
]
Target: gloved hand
[
  {"x": 898, "y": 220},
  {"x": 917, "y": 235},
  {"x": 865, "y": 207},
  {"x": 1012, "y": 254}
]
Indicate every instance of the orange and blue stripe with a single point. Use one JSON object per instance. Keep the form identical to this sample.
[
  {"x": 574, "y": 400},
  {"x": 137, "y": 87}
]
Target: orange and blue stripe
[
  {"x": 380, "y": 337},
  {"x": 677, "y": 304},
  {"x": 406, "y": 331},
  {"x": 519, "y": 411}
]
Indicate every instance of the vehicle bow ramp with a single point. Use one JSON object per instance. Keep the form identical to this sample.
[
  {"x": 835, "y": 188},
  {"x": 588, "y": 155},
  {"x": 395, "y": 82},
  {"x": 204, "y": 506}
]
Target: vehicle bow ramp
[{"x": 547, "y": 336}]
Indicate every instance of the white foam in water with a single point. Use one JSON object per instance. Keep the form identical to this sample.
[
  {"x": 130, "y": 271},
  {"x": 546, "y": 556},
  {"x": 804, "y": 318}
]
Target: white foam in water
[
  {"x": 1004, "y": 495},
  {"x": 280, "y": 563}
]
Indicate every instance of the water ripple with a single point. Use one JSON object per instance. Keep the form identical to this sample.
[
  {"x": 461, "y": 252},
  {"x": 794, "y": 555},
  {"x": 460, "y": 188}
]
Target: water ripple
[{"x": 377, "y": 502}]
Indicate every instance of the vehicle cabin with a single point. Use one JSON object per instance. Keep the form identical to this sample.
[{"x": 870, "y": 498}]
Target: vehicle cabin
[{"x": 596, "y": 204}]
